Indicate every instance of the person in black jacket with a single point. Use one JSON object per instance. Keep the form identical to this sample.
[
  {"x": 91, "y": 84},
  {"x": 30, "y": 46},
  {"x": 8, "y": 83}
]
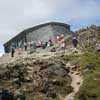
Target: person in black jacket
[
  {"x": 12, "y": 51},
  {"x": 75, "y": 42}
]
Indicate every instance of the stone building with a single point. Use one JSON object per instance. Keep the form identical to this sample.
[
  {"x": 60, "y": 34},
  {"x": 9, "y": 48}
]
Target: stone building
[{"x": 40, "y": 32}]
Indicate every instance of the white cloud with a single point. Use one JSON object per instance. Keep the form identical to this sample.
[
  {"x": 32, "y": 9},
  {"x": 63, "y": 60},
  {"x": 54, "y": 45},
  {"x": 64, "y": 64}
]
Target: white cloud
[
  {"x": 1, "y": 54},
  {"x": 16, "y": 15}
]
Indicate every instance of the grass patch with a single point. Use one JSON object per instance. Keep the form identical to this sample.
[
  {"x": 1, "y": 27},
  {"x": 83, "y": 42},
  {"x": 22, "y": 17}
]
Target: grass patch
[
  {"x": 61, "y": 85},
  {"x": 90, "y": 90}
]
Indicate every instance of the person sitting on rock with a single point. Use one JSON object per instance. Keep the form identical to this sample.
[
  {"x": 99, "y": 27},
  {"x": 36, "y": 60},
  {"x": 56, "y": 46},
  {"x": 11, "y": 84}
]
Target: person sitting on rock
[{"x": 44, "y": 45}]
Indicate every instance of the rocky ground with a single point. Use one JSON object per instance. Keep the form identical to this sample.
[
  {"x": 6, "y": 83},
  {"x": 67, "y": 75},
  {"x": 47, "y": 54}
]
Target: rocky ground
[
  {"x": 43, "y": 76},
  {"x": 62, "y": 75}
]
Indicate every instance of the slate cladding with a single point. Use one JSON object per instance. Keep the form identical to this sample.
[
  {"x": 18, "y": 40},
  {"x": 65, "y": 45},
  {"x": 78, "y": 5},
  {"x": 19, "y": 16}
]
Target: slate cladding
[{"x": 40, "y": 32}]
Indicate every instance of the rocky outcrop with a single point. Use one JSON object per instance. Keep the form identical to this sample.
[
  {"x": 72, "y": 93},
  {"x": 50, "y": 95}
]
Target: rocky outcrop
[{"x": 37, "y": 76}]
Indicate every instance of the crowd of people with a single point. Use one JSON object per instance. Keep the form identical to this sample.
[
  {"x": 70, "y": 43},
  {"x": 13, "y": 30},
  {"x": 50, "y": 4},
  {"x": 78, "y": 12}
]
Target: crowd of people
[{"x": 46, "y": 44}]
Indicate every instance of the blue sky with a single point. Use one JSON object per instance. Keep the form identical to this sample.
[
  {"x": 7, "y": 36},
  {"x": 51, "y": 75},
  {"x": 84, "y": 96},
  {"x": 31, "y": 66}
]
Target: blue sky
[{"x": 17, "y": 15}]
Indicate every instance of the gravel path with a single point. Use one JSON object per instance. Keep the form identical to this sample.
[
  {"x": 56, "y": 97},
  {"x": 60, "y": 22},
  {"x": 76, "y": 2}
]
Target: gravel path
[{"x": 76, "y": 83}]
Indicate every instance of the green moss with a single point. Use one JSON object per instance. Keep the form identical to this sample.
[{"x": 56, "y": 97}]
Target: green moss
[
  {"x": 61, "y": 85},
  {"x": 38, "y": 97},
  {"x": 62, "y": 80},
  {"x": 90, "y": 90}
]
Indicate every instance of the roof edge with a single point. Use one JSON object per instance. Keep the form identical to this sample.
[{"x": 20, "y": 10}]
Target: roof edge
[{"x": 36, "y": 26}]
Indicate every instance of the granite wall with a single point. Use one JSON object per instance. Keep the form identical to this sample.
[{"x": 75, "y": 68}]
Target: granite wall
[
  {"x": 42, "y": 33},
  {"x": 50, "y": 31}
]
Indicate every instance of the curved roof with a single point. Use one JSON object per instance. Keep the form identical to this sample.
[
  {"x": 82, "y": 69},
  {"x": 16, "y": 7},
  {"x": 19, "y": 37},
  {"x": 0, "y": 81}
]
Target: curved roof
[{"x": 37, "y": 27}]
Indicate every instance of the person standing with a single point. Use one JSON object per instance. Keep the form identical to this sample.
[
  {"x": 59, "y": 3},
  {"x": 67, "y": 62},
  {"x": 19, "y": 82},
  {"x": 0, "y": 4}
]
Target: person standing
[
  {"x": 59, "y": 39},
  {"x": 12, "y": 51},
  {"x": 25, "y": 46},
  {"x": 75, "y": 42}
]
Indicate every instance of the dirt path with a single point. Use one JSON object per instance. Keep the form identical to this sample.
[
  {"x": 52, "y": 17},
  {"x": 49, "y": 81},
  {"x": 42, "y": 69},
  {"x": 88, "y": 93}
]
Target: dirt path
[
  {"x": 76, "y": 78},
  {"x": 76, "y": 83}
]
